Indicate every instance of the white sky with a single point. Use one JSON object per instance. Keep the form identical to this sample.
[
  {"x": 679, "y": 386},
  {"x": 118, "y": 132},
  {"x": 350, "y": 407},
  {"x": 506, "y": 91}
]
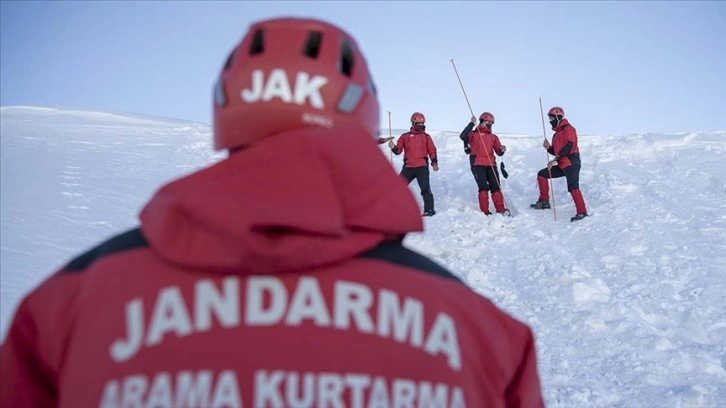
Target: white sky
[
  {"x": 627, "y": 306},
  {"x": 616, "y": 67}
]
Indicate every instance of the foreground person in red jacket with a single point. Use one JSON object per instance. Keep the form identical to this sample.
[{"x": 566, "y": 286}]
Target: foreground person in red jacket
[
  {"x": 418, "y": 147},
  {"x": 484, "y": 144},
  {"x": 247, "y": 284},
  {"x": 565, "y": 164}
]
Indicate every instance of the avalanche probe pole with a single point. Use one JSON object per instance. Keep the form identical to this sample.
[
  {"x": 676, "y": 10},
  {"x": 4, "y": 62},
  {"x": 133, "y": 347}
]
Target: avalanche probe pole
[
  {"x": 544, "y": 133},
  {"x": 496, "y": 177}
]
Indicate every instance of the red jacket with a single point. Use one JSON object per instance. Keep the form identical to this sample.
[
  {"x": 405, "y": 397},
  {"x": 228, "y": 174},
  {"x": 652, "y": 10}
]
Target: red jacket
[
  {"x": 483, "y": 144},
  {"x": 564, "y": 144},
  {"x": 417, "y": 147},
  {"x": 267, "y": 280}
]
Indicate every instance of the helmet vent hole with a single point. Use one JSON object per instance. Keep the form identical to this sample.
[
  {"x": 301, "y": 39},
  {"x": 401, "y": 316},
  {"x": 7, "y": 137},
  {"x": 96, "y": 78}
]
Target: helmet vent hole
[
  {"x": 372, "y": 86},
  {"x": 347, "y": 59},
  {"x": 258, "y": 43},
  {"x": 312, "y": 45},
  {"x": 228, "y": 63}
]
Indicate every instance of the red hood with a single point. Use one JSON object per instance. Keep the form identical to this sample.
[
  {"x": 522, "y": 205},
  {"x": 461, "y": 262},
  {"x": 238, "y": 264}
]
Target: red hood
[{"x": 263, "y": 210}]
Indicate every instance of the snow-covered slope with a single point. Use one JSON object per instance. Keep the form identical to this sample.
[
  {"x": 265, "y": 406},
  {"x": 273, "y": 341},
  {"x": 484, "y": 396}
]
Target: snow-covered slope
[{"x": 627, "y": 306}]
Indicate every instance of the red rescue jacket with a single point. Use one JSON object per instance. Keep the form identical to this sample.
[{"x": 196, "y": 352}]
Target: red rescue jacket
[
  {"x": 483, "y": 145},
  {"x": 417, "y": 146},
  {"x": 564, "y": 144},
  {"x": 268, "y": 280}
]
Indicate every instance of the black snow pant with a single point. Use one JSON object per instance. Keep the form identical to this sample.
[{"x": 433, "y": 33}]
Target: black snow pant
[
  {"x": 486, "y": 178},
  {"x": 572, "y": 173},
  {"x": 421, "y": 174}
]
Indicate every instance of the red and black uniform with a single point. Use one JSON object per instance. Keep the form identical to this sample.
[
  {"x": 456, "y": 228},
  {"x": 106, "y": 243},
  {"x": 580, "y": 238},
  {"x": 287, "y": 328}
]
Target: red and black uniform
[
  {"x": 418, "y": 147},
  {"x": 484, "y": 144},
  {"x": 567, "y": 153},
  {"x": 246, "y": 285}
]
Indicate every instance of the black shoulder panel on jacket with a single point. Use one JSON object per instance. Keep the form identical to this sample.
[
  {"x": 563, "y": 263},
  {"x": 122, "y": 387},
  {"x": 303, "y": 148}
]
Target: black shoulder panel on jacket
[
  {"x": 122, "y": 242},
  {"x": 464, "y": 135},
  {"x": 395, "y": 252}
]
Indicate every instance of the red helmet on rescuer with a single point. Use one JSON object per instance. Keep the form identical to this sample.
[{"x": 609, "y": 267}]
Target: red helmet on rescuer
[
  {"x": 290, "y": 73},
  {"x": 556, "y": 111},
  {"x": 418, "y": 117},
  {"x": 486, "y": 116}
]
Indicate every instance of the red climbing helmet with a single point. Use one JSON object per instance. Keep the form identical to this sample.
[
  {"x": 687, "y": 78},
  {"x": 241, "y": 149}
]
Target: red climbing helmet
[
  {"x": 556, "y": 111},
  {"x": 486, "y": 117},
  {"x": 418, "y": 117},
  {"x": 290, "y": 73}
]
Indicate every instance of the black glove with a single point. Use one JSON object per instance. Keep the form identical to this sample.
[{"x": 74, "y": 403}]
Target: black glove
[
  {"x": 467, "y": 149},
  {"x": 504, "y": 172}
]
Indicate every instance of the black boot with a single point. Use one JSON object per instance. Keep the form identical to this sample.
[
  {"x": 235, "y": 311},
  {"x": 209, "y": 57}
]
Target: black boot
[
  {"x": 428, "y": 199},
  {"x": 540, "y": 205},
  {"x": 578, "y": 217}
]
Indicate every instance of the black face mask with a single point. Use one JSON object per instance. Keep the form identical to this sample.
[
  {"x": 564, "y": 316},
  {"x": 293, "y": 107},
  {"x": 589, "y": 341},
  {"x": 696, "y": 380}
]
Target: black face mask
[
  {"x": 554, "y": 121},
  {"x": 418, "y": 127}
]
